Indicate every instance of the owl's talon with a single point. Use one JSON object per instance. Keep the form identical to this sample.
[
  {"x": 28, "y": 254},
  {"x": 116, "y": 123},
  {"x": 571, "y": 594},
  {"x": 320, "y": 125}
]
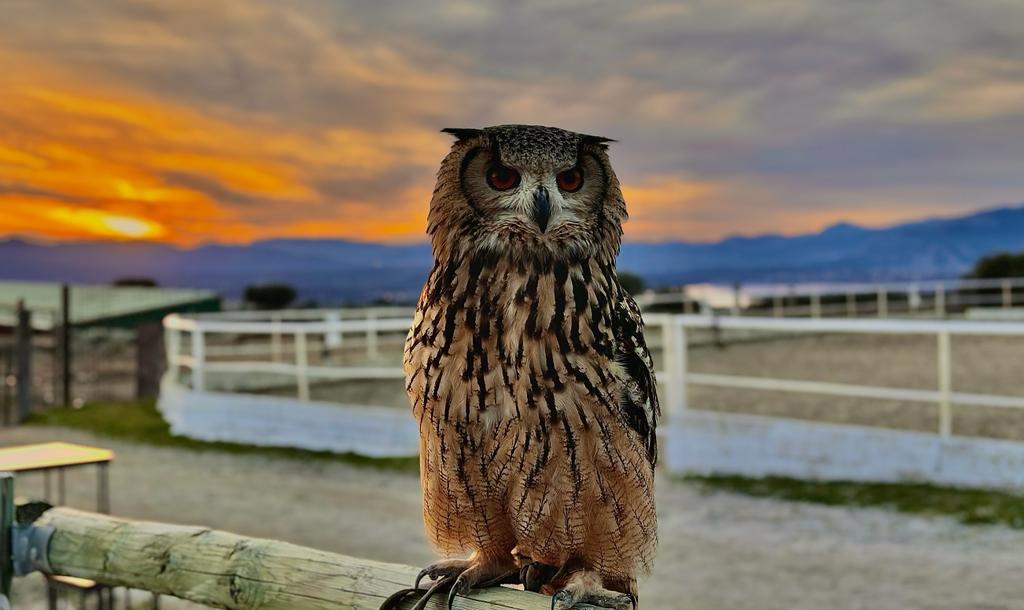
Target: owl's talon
[
  {"x": 585, "y": 587},
  {"x": 437, "y": 587},
  {"x": 457, "y": 576},
  {"x": 459, "y": 588},
  {"x": 535, "y": 575},
  {"x": 396, "y": 599},
  {"x": 419, "y": 578}
]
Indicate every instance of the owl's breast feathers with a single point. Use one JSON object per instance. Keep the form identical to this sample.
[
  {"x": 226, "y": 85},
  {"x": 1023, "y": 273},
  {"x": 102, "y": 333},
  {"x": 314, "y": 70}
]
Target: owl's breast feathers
[{"x": 561, "y": 346}]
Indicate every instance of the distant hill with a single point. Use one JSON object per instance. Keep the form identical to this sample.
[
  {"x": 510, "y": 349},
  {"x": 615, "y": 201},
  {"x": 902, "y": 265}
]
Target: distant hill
[{"x": 332, "y": 271}]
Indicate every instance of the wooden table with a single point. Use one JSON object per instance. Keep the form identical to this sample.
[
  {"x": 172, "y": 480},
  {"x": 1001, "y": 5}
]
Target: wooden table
[{"x": 48, "y": 457}]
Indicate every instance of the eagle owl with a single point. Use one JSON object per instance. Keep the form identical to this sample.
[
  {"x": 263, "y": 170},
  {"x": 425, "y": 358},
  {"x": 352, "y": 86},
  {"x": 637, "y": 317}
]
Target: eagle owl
[{"x": 528, "y": 373}]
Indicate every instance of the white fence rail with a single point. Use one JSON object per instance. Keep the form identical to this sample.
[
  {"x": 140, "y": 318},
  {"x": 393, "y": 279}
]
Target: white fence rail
[
  {"x": 676, "y": 377},
  {"x": 932, "y": 298},
  {"x": 674, "y": 374},
  {"x": 330, "y": 326},
  {"x": 699, "y": 439}
]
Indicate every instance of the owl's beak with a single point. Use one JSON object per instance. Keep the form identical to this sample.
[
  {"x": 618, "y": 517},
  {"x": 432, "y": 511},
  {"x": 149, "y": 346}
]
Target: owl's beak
[{"x": 541, "y": 208}]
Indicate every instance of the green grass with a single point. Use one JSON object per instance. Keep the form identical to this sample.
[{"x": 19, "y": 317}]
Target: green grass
[
  {"x": 140, "y": 422},
  {"x": 969, "y": 506}
]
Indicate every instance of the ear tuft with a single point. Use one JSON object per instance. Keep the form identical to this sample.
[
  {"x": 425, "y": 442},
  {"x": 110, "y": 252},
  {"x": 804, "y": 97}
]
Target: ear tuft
[
  {"x": 462, "y": 133},
  {"x": 598, "y": 141}
]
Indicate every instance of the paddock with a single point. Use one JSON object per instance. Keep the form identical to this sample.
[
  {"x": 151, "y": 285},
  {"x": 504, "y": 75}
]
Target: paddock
[{"x": 817, "y": 398}]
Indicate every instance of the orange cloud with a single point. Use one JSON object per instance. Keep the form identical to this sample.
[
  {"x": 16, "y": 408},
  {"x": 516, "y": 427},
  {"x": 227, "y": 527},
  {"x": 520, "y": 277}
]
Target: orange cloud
[{"x": 86, "y": 158}]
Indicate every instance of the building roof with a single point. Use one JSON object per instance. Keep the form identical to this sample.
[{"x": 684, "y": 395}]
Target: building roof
[{"x": 100, "y": 305}]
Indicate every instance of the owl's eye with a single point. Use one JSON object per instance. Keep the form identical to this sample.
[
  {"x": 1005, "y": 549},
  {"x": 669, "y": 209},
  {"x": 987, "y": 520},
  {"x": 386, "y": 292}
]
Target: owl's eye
[
  {"x": 571, "y": 180},
  {"x": 502, "y": 178}
]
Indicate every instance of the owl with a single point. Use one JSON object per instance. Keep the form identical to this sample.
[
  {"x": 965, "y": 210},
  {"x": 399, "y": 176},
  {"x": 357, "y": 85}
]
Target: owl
[{"x": 528, "y": 373}]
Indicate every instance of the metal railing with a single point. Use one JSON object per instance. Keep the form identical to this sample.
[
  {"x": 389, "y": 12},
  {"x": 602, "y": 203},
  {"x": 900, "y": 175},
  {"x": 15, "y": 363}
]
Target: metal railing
[{"x": 670, "y": 332}]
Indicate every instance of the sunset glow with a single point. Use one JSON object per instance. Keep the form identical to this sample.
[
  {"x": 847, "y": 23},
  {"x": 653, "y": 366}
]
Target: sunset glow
[
  {"x": 106, "y": 225},
  {"x": 115, "y": 125}
]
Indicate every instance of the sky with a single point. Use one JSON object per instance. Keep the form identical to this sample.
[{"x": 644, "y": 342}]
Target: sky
[{"x": 197, "y": 121}]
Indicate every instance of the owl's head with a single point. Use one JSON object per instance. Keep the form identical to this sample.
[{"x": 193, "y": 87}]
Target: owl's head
[{"x": 535, "y": 194}]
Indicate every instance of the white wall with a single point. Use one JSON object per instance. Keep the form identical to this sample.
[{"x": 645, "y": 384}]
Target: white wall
[
  {"x": 288, "y": 422},
  {"x": 702, "y": 442}
]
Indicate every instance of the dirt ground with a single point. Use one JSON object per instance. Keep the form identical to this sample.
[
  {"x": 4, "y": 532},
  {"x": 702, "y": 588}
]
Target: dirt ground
[
  {"x": 981, "y": 365},
  {"x": 718, "y": 551}
]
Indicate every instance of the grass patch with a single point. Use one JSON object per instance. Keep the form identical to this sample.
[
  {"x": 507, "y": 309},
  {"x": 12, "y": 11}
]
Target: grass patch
[
  {"x": 969, "y": 506},
  {"x": 140, "y": 422}
]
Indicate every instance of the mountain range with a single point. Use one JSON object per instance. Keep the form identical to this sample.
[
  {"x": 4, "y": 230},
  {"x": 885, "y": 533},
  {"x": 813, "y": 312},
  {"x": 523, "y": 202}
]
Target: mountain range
[{"x": 335, "y": 271}]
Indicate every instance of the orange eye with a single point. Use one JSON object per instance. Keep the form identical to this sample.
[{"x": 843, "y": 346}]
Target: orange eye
[
  {"x": 571, "y": 180},
  {"x": 501, "y": 178}
]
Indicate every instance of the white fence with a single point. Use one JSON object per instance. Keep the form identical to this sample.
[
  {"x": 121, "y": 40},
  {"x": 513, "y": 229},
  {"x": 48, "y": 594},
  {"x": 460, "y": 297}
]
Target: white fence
[
  {"x": 932, "y": 298},
  {"x": 695, "y": 440}
]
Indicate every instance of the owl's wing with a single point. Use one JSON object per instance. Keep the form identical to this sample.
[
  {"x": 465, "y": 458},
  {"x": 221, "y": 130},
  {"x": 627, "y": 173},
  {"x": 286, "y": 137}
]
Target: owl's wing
[{"x": 639, "y": 406}]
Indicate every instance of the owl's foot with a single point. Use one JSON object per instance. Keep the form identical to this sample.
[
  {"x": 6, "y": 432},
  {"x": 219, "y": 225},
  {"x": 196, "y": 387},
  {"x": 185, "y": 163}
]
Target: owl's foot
[
  {"x": 535, "y": 575},
  {"x": 585, "y": 587},
  {"x": 457, "y": 576}
]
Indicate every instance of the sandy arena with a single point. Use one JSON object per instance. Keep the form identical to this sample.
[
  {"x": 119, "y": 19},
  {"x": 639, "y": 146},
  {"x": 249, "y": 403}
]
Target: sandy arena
[{"x": 718, "y": 551}]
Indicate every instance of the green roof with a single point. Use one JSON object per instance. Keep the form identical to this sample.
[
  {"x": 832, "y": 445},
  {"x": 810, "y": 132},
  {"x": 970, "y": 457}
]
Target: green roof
[{"x": 101, "y": 305}]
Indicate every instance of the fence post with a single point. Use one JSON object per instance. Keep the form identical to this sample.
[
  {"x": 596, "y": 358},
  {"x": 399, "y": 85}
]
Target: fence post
[
  {"x": 172, "y": 343},
  {"x": 815, "y": 304},
  {"x": 674, "y": 339},
  {"x": 149, "y": 360},
  {"x": 940, "y": 301},
  {"x": 302, "y": 365},
  {"x": 945, "y": 385},
  {"x": 737, "y": 299},
  {"x": 883, "y": 302},
  {"x": 275, "y": 338},
  {"x": 6, "y": 528},
  {"x": 372, "y": 350},
  {"x": 198, "y": 359},
  {"x": 1007, "y": 294},
  {"x": 65, "y": 343},
  {"x": 23, "y": 341},
  {"x": 332, "y": 338}
]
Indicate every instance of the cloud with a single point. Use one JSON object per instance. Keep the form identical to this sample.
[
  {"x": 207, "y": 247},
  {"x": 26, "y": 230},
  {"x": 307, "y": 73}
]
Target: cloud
[{"x": 234, "y": 121}]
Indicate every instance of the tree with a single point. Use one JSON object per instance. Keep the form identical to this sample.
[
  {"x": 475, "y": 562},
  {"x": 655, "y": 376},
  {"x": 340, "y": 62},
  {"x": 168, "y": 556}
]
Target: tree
[
  {"x": 634, "y": 284},
  {"x": 269, "y": 296},
  {"x": 135, "y": 282},
  {"x": 998, "y": 265}
]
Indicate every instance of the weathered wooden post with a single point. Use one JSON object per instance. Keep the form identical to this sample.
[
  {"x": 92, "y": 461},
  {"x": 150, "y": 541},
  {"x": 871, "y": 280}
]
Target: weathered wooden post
[
  {"x": 150, "y": 359},
  {"x": 23, "y": 343},
  {"x": 220, "y": 569}
]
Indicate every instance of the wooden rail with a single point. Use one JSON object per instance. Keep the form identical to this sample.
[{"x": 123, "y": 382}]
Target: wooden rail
[{"x": 225, "y": 570}]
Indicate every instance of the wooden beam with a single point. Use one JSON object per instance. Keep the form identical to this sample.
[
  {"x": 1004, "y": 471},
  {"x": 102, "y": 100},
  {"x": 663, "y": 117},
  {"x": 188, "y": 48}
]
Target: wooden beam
[{"x": 226, "y": 570}]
